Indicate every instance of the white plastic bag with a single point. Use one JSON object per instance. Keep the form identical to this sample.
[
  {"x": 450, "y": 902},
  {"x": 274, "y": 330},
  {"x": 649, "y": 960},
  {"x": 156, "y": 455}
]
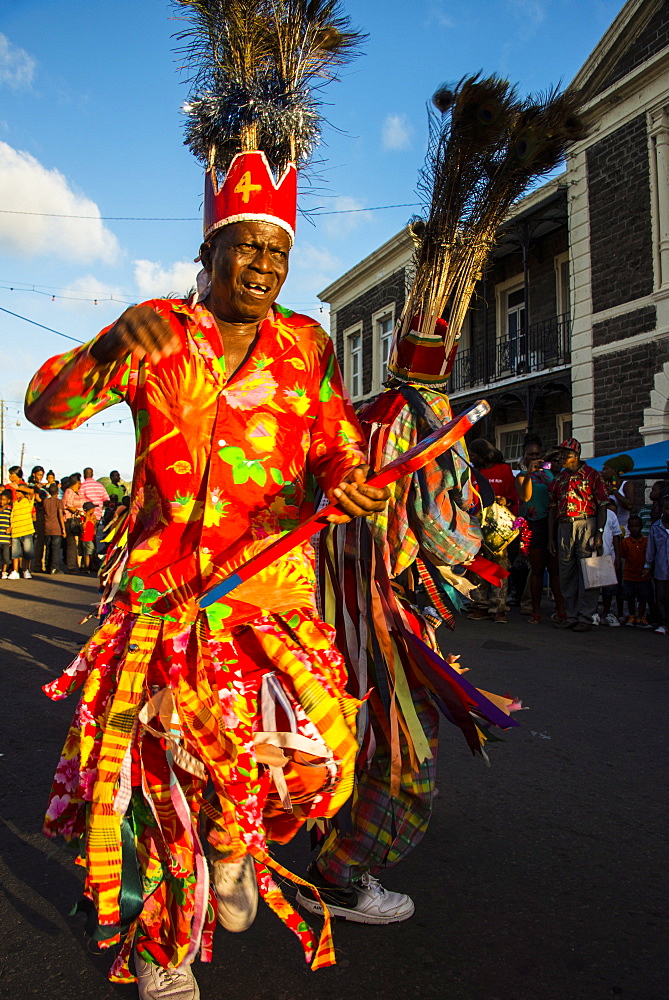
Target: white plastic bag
[{"x": 598, "y": 571}]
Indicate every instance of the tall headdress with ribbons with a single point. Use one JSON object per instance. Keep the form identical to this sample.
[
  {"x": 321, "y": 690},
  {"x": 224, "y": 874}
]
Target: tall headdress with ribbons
[
  {"x": 485, "y": 147},
  {"x": 253, "y": 112}
]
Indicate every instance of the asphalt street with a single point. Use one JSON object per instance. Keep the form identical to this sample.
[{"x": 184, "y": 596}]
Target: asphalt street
[{"x": 542, "y": 877}]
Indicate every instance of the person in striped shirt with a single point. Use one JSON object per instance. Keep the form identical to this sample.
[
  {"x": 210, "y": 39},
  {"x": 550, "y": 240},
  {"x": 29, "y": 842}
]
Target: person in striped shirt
[
  {"x": 5, "y": 532},
  {"x": 94, "y": 491}
]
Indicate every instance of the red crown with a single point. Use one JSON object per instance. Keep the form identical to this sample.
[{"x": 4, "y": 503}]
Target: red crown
[
  {"x": 421, "y": 357},
  {"x": 250, "y": 194}
]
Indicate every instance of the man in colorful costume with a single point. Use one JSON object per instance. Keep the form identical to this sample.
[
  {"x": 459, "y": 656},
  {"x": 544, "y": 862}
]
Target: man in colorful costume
[
  {"x": 237, "y": 403},
  {"x": 369, "y": 577},
  {"x": 485, "y": 147}
]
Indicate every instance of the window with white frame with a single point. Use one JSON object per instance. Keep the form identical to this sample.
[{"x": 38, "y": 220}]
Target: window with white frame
[
  {"x": 465, "y": 341},
  {"x": 564, "y": 426},
  {"x": 383, "y": 324},
  {"x": 353, "y": 362},
  {"x": 509, "y": 439},
  {"x": 562, "y": 290},
  {"x": 515, "y": 326}
]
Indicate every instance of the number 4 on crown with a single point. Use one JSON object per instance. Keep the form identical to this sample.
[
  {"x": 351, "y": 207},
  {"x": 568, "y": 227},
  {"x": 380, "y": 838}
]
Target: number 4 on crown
[{"x": 245, "y": 188}]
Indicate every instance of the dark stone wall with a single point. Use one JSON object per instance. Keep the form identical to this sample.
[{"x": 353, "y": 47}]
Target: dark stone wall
[
  {"x": 621, "y": 327},
  {"x": 651, "y": 40},
  {"x": 392, "y": 289},
  {"x": 621, "y": 251},
  {"x": 623, "y": 381},
  {"x": 542, "y": 282}
]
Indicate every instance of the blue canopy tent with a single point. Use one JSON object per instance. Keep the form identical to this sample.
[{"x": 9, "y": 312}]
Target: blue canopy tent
[{"x": 649, "y": 462}]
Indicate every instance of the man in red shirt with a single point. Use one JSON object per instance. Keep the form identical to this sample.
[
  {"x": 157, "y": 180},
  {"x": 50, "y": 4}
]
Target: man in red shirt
[{"x": 578, "y": 509}]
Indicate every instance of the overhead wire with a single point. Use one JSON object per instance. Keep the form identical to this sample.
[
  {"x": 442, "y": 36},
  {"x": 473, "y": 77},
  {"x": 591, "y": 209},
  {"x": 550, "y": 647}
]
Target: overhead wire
[
  {"x": 41, "y": 325},
  {"x": 156, "y": 218},
  {"x": 37, "y": 290}
]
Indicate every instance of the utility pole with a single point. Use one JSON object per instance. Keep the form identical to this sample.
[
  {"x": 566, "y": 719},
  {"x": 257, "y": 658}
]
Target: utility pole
[
  {"x": 23, "y": 451},
  {"x": 2, "y": 441}
]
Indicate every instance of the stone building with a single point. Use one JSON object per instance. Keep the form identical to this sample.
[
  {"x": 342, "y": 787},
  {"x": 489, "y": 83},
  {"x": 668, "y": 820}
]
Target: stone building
[{"x": 568, "y": 331}]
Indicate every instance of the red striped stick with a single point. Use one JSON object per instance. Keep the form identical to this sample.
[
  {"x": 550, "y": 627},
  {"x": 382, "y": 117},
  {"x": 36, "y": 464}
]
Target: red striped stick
[{"x": 425, "y": 451}]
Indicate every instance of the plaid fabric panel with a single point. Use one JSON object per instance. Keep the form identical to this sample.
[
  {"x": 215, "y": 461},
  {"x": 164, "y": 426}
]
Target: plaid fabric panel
[
  {"x": 420, "y": 516},
  {"x": 384, "y": 828}
]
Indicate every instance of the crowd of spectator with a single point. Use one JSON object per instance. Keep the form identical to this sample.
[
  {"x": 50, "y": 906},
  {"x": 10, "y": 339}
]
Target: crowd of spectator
[
  {"x": 55, "y": 526},
  {"x": 574, "y": 514}
]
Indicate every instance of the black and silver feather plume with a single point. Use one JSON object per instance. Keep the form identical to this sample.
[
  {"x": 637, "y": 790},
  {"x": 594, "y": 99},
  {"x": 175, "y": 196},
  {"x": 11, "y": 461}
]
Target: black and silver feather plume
[{"x": 256, "y": 67}]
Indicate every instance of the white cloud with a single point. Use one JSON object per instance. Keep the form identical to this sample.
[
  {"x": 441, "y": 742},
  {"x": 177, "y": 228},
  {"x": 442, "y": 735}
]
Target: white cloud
[
  {"x": 307, "y": 257},
  {"x": 349, "y": 214},
  {"x": 396, "y": 133},
  {"x": 311, "y": 269},
  {"x": 437, "y": 14},
  {"x": 28, "y": 186},
  {"x": 17, "y": 67},
  {"x": 531, "y": 13},
  {"x": 156, "y": 281}
]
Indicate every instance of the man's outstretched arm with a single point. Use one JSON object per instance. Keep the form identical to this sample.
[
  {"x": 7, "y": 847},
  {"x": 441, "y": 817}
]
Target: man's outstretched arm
[{"x": 71, "y": 387}]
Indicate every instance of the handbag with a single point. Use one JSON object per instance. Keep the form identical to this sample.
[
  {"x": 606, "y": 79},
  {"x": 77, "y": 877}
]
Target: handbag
[
  {"x": 598, "y": 571},
  {"x": 497, "y": 528},
  {"x": 76, "y": 525}
]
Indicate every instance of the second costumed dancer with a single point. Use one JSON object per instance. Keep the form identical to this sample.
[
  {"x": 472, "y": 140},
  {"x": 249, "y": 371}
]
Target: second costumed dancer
[{"x": 486, "y": 146}]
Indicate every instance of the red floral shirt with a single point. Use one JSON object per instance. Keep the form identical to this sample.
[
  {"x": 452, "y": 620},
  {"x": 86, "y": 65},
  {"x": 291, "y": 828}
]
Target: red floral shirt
[
  {"x": 222, "y": 465},
  {"x": 577, "y": 494}
]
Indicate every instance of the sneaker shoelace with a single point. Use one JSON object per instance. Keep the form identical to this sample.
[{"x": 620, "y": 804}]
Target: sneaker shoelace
[
  {"x": 171, "y": 977},
  {"x": 369, "y": 882}
]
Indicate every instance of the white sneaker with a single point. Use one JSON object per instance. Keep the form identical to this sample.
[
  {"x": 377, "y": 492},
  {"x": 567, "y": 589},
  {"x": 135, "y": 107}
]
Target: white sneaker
[
  {"x": 27, "y": 575},
  {"x": 596, "y": 620},
  {"x": 13, "y": 575},
  {"x": 374, "y": 905},
  {"x": 237, "y": 892},
  {"x": 661, "y": 630},
  {"x": 5, "y": 576},
  {"x": 156, "y": 983},
  {"x": 611, "y": 620}
]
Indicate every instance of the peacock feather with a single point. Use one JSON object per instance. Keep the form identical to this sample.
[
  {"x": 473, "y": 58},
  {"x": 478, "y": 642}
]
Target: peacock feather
[{"x": 485, "y": 147}]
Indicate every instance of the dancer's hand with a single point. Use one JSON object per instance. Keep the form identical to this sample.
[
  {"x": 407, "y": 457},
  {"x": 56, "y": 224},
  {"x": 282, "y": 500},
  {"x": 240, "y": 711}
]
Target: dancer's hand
[
  {"x": 139, "y": 331},
  {"x": 356, "y": 498}
]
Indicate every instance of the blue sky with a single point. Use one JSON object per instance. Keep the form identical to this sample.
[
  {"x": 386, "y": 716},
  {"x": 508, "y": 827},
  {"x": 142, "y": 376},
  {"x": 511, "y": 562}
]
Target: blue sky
[{"x": 90, "y": 125}]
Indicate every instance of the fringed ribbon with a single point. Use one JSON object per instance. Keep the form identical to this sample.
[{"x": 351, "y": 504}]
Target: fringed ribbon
[
  {"x": 103, "y": 843},
  {"x": 434, "y": 594},
  {"x": 325, "y": 953}
]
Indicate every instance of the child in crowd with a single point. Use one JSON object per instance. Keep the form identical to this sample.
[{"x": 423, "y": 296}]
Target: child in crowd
[
  {"x": 54, "y": 529},
  {"x": 637, "y": 586},
  {"x": 657, "y": 556},
  {"x": 6, "y": 532},
  {"x": 650, "y": 512},
  {"x": 88, "y": 535},
  {"x": 611, "y": 547}
]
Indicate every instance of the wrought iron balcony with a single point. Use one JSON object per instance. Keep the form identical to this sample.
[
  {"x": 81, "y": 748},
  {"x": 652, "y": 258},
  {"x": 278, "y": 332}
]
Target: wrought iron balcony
[{"x": 543, "y": 346}]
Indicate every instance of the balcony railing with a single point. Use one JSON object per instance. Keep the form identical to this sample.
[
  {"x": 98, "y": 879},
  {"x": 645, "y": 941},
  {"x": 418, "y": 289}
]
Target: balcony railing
[{"x": 543, "y": 346}]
